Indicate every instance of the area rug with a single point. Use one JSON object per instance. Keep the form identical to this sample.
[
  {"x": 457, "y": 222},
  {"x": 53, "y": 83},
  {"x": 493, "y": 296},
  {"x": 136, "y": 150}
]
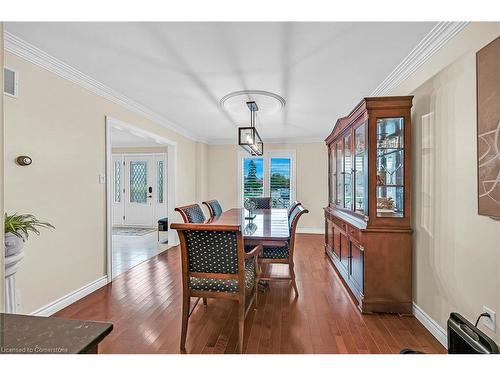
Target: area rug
[{"x": 132, "y": 231}]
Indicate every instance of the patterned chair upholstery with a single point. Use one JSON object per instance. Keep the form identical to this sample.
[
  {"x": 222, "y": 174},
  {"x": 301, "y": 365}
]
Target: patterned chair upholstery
[
  {"x": 213, "y": 207},
  {"x": 216, "y": 252},
  {"x": 215, "y": 265},
  {"x": 276, "y": 252},
  {"x": 262, "y": 202},
  {"x": 191, "y": 214},
  {"x": 225, "y": 285}
]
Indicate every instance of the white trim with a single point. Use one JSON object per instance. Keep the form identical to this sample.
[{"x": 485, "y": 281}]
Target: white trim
[
  {"x": 432, "y": 42},
  {"x": 109, "y": 200},
  {"x": 311, "y": 230},
  {"x": 70, "y": 298},
  {"x": 430, "y": 324},
  {"x": 29, "y": 52}
]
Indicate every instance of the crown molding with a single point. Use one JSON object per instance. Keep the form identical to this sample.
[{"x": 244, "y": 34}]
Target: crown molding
[
  {"x": 228, "y": 141},
  {"x": 35, "y": 55},
  {"x": 430, "y": 44}
]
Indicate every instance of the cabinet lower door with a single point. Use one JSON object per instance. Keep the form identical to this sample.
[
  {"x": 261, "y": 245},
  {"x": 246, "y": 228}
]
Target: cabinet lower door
[
  {"x": 344, "y": 250},
  {"x": 357, "y": 266}
]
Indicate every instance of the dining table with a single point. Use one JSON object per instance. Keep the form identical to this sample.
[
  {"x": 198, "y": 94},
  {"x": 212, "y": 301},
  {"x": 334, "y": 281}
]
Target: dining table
[
  {"x": 28, "y": 334},
  {"x": 267, "y": 227}
]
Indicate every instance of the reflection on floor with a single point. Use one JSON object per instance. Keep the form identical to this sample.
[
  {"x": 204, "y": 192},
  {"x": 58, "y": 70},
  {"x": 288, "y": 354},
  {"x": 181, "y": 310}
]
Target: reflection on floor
[
  {"x": 322, "y": 319},
  {"x": 129, "y": 251}
]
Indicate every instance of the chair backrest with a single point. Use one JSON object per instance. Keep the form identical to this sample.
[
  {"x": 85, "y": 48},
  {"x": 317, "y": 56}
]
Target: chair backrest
[
  {"x": 191, "y": 213},
  {"x": 214, "y": 207},
  {"x": 211, "y": 251},
  {"x": 297, "y": 212},
  {"x": 292, "y": 207},
  {"x": 261, "y": 202}
]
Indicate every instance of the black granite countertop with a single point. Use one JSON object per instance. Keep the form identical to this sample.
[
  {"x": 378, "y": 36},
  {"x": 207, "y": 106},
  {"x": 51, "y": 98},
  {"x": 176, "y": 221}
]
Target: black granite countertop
[{"x": 28, "y": 334}]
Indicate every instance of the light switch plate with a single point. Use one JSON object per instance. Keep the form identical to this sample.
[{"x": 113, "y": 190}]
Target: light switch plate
[
  {"x": 490, "y": 323},
  {"x": 102, "y": 179}
]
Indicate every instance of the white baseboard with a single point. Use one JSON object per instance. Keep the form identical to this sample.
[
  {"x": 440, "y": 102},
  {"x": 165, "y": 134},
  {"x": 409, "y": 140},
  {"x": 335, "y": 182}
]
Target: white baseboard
[
  {"x": 70, "y": 298},
  {"x": 435, "y": 329},
  {"x": 311, "y": 230}
]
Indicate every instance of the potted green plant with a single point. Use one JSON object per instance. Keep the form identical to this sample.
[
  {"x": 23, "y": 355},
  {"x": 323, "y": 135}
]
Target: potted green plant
[{"x": 17, "y": 229}]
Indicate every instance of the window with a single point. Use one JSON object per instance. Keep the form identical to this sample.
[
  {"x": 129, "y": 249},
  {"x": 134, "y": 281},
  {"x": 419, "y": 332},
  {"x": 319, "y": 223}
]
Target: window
[
  {"x": 280, "y": 182},
  {"x": 253, "y": 178},
  {"x": 270, "y": 175}
]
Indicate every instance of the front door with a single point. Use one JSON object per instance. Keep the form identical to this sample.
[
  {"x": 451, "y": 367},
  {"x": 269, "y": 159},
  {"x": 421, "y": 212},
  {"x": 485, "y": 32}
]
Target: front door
[{"x": 138, "y": 189}]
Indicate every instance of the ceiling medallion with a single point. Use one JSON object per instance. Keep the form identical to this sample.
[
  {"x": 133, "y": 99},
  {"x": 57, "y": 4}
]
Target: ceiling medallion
[{"x": 269, "y": 102}]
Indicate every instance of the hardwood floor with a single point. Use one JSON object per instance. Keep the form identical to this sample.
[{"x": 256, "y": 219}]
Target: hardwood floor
[{"x": 144, "y": 304}]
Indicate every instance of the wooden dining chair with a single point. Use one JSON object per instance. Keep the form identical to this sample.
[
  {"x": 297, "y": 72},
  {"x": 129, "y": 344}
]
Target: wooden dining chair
[
  {"x": 284, "y": 254},
  {"x": 191, "y": 213},
  {"x": 261, "y": 202},
  {"x": 215, "y": 265},
  {"x": 214, "y": 207}
]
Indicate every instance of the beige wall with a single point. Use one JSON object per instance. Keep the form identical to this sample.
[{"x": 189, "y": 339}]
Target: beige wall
[
  {"x": 62, "y": 127},
  {"x": 203, "y": 171},
  {"x": 456, "y": 251},
  {"x": 2, "y": 269},
  {"x": 311, "y": 180}
]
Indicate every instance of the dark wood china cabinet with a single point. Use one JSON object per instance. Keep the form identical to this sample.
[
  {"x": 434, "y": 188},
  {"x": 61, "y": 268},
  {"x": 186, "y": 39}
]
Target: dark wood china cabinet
[{"x": 368, "y": 235}]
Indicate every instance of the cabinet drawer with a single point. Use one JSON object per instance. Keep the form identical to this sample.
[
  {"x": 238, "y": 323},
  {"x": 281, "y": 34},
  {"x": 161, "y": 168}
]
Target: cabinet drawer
[
  {"x": 339, "y": 223},
  {"x": 354, "y": 233}
]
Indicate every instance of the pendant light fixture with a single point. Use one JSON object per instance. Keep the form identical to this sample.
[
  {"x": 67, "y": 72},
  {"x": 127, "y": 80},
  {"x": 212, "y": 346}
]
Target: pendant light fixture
[{"x": 248, "y": 137}]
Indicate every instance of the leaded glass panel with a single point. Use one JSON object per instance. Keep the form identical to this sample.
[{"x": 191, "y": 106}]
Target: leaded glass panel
[
  {"x": 138, "y": 181},
  {"x": 160, "y": 181},
  {"x": 117, "y": 177}
]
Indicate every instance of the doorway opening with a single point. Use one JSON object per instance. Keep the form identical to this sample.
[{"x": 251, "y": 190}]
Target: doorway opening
[{"x": 140, "y": 194}]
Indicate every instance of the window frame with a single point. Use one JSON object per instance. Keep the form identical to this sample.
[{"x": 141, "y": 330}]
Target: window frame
[{"x": 267, "y": 156}]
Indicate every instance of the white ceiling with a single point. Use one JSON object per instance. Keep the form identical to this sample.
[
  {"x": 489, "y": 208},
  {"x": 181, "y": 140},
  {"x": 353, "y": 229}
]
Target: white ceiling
[{"x": 181, "y": 70}]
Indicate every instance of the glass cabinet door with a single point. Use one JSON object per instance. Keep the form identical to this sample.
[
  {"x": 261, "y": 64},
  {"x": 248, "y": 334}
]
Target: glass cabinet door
[
  {"x": 347, "y": 173},
  {"x": 360, "y": 171},
  {"x": 390, "y": 167},
  {"x": 340, "y": 175},
  {"x": 333, "y": 175}
]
